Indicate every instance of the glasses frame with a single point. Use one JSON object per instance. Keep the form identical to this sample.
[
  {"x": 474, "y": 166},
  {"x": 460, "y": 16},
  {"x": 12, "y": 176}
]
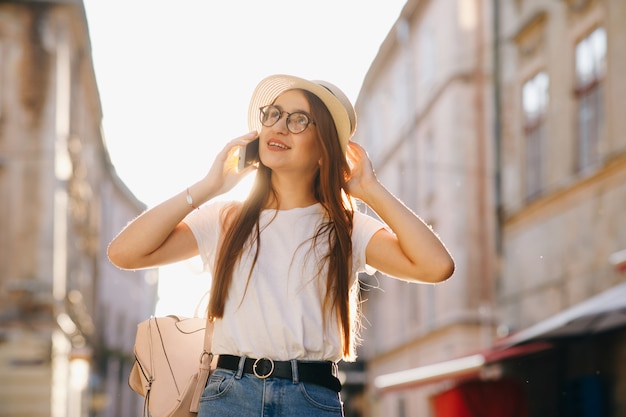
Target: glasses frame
[{"x": 287, "y": 119}]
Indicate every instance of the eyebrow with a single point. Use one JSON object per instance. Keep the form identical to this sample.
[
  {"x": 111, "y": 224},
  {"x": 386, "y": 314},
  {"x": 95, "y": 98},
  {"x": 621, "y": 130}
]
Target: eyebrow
[{"x": 292, "y": 112}]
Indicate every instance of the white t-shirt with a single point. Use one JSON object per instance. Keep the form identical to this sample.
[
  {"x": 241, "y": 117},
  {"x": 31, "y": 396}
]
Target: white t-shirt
[{"x": 279, "y": 314}]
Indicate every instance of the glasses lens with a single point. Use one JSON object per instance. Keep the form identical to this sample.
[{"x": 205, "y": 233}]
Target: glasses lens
[
  {"x": 269, "y": 115},
  {"x": 297, "y": 122}
]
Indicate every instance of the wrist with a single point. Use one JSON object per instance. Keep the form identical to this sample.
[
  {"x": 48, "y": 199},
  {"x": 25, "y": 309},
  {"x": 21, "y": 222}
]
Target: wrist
[
  {"x": 199, "y": 193},
  {"x": 371, "y": 191},
  {"x": 189, "y": 199}
]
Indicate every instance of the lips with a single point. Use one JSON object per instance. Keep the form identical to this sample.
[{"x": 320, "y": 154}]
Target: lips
[{"x": 277, "y": 144}]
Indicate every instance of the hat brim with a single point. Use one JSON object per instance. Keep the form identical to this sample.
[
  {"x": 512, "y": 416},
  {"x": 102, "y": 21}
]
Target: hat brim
[{"x": 338, "y": 104}]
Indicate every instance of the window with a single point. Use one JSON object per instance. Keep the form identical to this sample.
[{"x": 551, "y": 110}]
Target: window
[
  {"x": 590, "y": 70},
  {"x": 534, "y": 103},
  {"x": 401, "y": 92},
  {"x": 376, "y": 112},
  {"x": 430, "y": 173},
  {"x": 427, "y": 57}
]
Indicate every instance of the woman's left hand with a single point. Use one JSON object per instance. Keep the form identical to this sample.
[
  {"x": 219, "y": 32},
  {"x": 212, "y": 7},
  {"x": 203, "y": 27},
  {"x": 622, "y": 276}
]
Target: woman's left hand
[
  {"x": 362, "y": 174},
  {"x": 410, "y": 250}
]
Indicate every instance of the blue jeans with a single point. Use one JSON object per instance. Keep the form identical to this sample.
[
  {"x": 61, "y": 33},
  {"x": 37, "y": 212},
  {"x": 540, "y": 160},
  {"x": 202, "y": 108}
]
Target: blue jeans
[{"x": 237, "y": 394}]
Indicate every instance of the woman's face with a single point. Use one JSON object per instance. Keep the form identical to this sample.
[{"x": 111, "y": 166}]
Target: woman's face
[{"x": 281, "y": 150}]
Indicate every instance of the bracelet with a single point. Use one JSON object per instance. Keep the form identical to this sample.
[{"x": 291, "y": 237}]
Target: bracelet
[{"x": 190, "y": 200}]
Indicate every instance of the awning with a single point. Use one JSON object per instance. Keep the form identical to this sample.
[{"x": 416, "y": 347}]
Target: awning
[
  {"x": 460, "y": 368},
  {"x": 600, "y": 313}
]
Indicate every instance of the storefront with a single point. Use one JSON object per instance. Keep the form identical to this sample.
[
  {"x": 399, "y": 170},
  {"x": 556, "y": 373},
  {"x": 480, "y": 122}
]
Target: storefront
[{"x": 571, "y": 364}]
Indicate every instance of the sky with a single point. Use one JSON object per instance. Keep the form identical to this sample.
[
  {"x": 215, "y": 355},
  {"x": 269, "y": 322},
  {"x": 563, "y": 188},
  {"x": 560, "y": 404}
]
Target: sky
[{"x": 175, "y": 79}]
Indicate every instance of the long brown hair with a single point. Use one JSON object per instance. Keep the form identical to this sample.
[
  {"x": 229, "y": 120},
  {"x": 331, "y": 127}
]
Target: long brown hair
[{"x": 242, "y": 222}]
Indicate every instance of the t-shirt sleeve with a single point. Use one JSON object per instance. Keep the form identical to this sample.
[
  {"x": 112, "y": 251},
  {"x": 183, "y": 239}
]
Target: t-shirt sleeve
[
  {"x": 363, "y": 229},
  {"x": 205, "y": 225}
]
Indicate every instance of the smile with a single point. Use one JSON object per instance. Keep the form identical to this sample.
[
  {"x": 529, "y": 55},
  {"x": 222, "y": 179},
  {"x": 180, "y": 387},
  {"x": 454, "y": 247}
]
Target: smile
[{"x": 277, "y": 145}]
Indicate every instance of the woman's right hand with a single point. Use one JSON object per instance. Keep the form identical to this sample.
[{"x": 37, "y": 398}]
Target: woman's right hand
[
  {"x": 223, "y": 175},
  {"x": 159, "y": 236}
]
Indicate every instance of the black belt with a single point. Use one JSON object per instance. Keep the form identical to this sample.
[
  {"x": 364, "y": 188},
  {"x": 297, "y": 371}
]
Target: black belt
[{"x": 319, "y": 373}]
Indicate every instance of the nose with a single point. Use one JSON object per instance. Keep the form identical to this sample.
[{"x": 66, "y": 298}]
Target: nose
[{"x": 281, "y": 124}]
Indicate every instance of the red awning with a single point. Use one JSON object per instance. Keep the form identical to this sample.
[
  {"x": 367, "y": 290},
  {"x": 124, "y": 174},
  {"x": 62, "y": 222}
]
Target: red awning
[{"x": 482, "y": 399}]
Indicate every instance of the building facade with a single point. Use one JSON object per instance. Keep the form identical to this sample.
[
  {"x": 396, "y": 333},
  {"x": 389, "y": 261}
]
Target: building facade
[
  {"x": 66, "y": 315},
  {"x": 499, "y": 123},
  {"x": 564, "y": 201},
  {"x": 424, "y": 117}
]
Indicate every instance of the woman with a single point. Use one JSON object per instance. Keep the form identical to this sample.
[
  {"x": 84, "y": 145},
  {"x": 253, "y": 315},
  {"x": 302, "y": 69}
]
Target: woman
[{"x": 284, "y": 261}]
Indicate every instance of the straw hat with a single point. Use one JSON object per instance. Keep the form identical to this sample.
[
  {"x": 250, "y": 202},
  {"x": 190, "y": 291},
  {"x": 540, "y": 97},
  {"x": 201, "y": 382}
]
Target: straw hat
[{"x": 335, "y": 100}]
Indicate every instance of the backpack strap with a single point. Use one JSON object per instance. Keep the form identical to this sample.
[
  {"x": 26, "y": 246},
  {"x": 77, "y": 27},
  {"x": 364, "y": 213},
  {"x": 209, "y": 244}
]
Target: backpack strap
[{"x": 206, "y": 358}]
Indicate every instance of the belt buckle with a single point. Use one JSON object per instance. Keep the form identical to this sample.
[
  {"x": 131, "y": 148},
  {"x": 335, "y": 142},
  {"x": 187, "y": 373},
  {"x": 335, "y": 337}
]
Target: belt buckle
[{"x": 263, "y": 376}]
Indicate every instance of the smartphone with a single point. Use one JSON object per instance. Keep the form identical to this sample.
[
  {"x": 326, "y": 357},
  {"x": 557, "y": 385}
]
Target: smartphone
[{"x": 249, "y": 154}]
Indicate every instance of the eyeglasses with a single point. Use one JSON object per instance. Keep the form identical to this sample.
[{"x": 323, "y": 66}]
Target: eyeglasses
[{"x": 296, "y": 122}]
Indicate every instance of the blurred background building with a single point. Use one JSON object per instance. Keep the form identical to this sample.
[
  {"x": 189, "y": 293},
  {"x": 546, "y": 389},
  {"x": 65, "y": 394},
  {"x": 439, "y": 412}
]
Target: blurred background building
[
  {"x": 67, "y": 316},
  {"x": 501, "y": 123}
]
